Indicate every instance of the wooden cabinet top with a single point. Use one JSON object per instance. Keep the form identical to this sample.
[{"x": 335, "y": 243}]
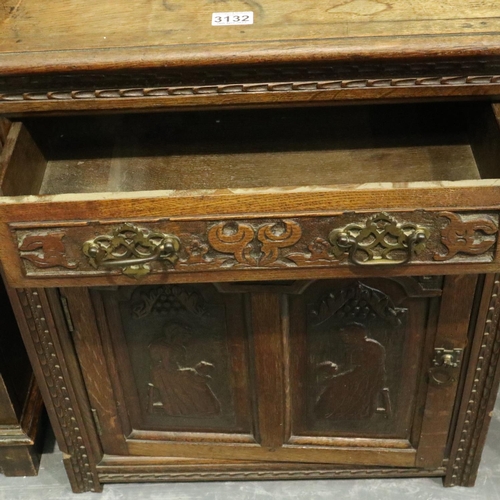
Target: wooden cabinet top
[
  {"x": 115, "y": 44},
  {"x": 38, "y": 35}
]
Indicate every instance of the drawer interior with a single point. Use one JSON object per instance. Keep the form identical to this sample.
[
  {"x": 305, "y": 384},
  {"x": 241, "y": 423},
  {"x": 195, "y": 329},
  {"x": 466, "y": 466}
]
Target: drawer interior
[{"x": 243, "y": 149}]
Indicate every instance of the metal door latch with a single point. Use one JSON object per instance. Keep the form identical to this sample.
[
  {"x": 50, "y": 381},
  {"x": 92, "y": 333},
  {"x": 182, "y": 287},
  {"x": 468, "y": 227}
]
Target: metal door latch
[
  {"x": 444, "y": 357},
  {"x": 444, "y": 365}
]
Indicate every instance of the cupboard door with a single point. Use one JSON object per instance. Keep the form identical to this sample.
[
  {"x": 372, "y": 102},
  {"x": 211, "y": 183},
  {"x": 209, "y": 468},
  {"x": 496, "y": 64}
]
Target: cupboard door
[
  {"x": 164, "y": 363},
  {"x": 330, "y": 372},
  {"x": 365, "y": 366},
  {"x": 356, "y": 352}
]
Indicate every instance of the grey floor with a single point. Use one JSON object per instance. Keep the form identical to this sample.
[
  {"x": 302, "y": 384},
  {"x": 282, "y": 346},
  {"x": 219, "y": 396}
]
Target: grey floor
[{"x": 52, "y": 484}]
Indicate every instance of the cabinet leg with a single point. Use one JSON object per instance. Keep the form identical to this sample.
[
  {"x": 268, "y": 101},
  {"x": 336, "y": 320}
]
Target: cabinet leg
[{"x": 19, "y": 460}]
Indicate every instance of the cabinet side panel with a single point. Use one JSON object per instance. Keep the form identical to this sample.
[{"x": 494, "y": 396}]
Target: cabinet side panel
[
  {"x": 480, "y": 390},
  {"x": 55, "y": 366}
]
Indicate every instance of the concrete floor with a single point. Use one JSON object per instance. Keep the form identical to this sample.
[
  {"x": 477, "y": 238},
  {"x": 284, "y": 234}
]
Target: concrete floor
[{"x": 52, "y": 484}]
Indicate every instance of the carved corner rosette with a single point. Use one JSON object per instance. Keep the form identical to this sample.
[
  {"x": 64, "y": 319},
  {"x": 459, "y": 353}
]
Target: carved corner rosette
[
  {"x": 132, "y": 249},
  {"x": 381, "y": 240},
  {"x": 472, "y": 236}
]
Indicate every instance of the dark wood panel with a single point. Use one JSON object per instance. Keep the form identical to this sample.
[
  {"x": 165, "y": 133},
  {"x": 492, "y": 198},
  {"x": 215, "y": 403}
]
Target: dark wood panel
[
  {"x": 355, "y": 354},
  {"x": 180, "y": 361},
  {"x": 267, "y": 339}
]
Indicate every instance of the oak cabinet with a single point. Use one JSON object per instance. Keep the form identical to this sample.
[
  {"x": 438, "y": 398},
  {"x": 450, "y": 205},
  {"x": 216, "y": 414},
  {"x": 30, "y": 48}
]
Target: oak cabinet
[
  {"x": 222, "y": 268},
  {"x": 325, "y": 334},
  {"x": 182, "y": 337}
]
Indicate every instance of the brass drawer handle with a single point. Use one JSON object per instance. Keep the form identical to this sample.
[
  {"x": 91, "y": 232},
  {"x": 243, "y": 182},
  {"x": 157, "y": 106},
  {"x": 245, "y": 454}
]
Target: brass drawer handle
[
  {"x": 131, "y": 248},
  {"x": 381, "y": 241}
]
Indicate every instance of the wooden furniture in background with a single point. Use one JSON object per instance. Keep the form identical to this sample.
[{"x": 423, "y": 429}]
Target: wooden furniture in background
[
  {"x": 21, "y": 406},
  {"x": 288, "y": 289}
]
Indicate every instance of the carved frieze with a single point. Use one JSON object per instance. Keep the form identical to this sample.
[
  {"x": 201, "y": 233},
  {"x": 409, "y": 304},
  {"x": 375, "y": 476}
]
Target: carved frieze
[
  {"x": 246, "y": 81},
  {"x": 309, "y": 242}
]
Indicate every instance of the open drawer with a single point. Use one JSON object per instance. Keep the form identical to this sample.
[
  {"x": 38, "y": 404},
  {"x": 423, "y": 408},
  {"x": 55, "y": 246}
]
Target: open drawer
[{"x": 251, "y": 194}]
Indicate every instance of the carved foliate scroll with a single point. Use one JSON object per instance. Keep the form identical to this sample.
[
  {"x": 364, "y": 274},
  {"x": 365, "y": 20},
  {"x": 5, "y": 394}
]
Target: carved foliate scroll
[
  {"x": 318, "y": 253},
  {"x": 235, "y": 239},
  {"x": 473, "y": 237},
  {"x": 276, "y": 236},
  {"x": 251, "y": 245}
]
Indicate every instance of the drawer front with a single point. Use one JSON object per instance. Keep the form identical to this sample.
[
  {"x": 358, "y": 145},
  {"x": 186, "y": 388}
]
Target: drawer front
[{"x": 351, "y": 242}]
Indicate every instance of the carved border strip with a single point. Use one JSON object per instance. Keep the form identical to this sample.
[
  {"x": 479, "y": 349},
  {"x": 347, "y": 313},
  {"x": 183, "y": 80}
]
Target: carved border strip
[
  {"x": 463, "y": 463},
  {"x": 295, "y": 72},
  {"x": 248, "y": 88},
  {"x": 54, "y": 377},
  {"x": 110, "y": 477}
]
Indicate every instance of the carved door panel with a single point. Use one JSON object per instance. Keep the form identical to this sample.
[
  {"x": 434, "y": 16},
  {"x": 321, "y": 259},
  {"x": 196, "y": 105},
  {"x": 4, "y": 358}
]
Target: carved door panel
[
  {"x": 360, "y": 345},
  {"x": 360, "y": 353},
  {"x": 335, "y": 371},
  {"x": 173, "y": 358}
]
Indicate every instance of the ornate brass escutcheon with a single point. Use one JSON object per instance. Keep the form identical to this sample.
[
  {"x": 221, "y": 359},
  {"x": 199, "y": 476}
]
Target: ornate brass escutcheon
[
  {"x": 380, "y": 241},
  {"x": 132, "y": 249},
  {"x": 445, "y": 363}
]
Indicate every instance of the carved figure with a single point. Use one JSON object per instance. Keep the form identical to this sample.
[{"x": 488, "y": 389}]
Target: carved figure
[
  {"x": 183, "y": 391},
  {"x": 357, "y": 389}
]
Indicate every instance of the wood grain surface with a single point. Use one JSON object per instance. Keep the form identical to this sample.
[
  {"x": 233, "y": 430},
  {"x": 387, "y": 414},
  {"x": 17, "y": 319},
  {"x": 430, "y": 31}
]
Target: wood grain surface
[{"x": 141, "y": 33}]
